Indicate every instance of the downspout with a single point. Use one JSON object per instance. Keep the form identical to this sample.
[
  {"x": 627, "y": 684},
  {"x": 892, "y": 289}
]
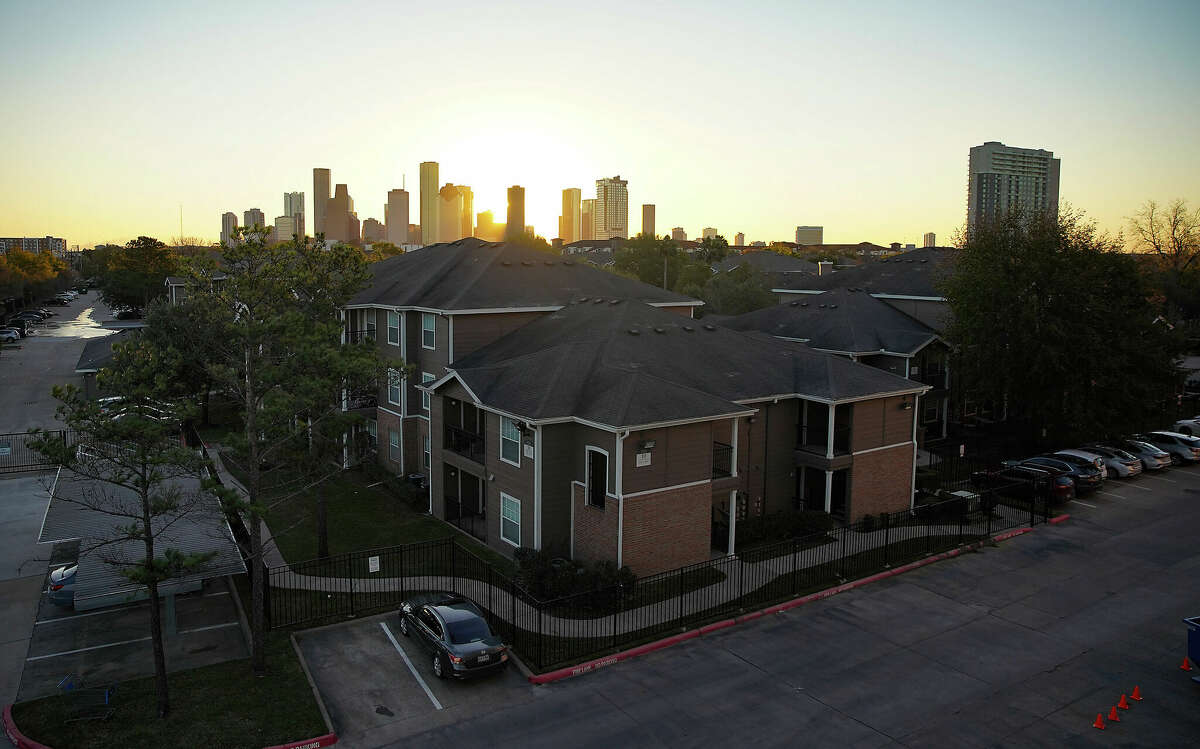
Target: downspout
[
  {"x": 912, "y": 493},
  {"x": 620, "y": 495},
  {"x": 537, "y": 485}
]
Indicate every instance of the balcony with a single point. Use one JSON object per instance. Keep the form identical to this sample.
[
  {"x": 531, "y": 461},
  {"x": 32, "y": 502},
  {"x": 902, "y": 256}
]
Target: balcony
[
  {"x": 467, "y": 444},
  {"x": 361, "y": 399},
  {"x": 722, "y": 460},
  {"x": 930, "y": 376},
  {"x": 815, "y": 439},
  {"x": 360, "y": 336}
]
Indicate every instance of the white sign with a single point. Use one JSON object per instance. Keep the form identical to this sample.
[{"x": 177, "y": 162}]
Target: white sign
[
  {"x": 5, "y": 448},
  {"x": 643, "y": 460},
  {"x": 529, "y": 451},
  {"x": 372, "y": 564}
]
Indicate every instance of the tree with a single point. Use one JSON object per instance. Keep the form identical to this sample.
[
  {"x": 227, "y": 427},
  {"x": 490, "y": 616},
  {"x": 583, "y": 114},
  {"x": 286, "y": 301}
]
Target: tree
[
  {"x": 712, "y": 250},
  {"x": 274, "y": 312},
  {"x": 133, "y": 471},
  {"x": 180, "y": 333},
  {"x": 1052, "y": 319},
  {"x": 136, "y": 273},
  {"x": 31, "y": 275},
  {"x": 650, "y": 260},
  {"x": 741, "y": 290},
  {"x": 1172, "y": 235}
]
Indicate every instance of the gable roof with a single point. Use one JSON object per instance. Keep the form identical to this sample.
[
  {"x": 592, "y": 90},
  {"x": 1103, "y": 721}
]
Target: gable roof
[
  {"x": 98, "y": 352},
  {"x": 472, "y": 274},
  {"x": 912, "y": 273},
  {"x": 624, "y": 364},
  {"x": 841, "y": 320},
  {"x": 767, "y": 262}
]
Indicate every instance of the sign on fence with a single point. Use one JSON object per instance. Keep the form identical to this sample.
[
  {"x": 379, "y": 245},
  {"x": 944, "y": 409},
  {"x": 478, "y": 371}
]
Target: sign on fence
[{"x": 372, "y": 564}]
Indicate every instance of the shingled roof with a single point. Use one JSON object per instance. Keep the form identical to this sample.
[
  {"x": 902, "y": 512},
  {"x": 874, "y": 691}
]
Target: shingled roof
[
  {"x": 98, "y": 352},
  {"x": 472, "y": 274},
  {"x": 766, "y": 262},
  {"x": 914, "y": 273},
  {"x": 842, "y": 320},
  {"x": 624, "y": 364}
]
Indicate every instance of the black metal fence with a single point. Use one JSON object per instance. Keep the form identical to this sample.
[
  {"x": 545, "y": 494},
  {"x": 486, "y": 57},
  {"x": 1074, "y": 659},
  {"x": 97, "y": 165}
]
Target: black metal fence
[
  {"x": 17, "y": 453},
  {"x": 550, "y": 633}
]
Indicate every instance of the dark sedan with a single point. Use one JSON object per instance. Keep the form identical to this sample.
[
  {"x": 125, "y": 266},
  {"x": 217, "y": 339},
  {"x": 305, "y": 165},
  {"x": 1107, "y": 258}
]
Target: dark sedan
[
  {"x": 455, "y": 633},
  {"x": 1086, "y": 477}
]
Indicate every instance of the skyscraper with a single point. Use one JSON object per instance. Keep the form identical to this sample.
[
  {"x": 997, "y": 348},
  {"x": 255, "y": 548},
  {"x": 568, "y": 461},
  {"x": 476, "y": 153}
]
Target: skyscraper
[
  {"x": 648, "y": 220},
  {"x": 487, "y": 229},
  {"x": 228, "y": 225},
  {"x": 341, "y": 223},
  {"x": 739, "y": 240},
  {"x": 395, "y": 216},
  {"x": 708, "y": 232},
  {"x": 429, "y": 202},
  {"x": 450, "y": 209},
  {"x": 293, "y": 203},
  {"x": 320, "y": 199},
  {"x": 254, "y": 217},
  {"x": 1003, "y": 178},
  {"x": 587, "y": 219},
  {"x": 678, "y": 234},
  {"x": 568, "y": 222},
  {"x": 515, "y": 225},
  {"x": 468, "y": 211},
  {"x": 373, "y": 231},
  {"x": 930, "y": 239},
  {"x": 810, "y": 235},
  {"x": 612, "y": 208},
  {"x": 287, "y": 226}
]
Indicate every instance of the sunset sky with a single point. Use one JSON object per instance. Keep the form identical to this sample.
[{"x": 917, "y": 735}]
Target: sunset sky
[{"x": 748, "y": 116}]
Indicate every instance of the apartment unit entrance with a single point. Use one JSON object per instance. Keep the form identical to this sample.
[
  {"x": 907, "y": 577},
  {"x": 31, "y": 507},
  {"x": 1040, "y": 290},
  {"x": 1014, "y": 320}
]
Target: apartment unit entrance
[
  {"x": 463, "y": 497},
  {"x": 827, "y": 491}
]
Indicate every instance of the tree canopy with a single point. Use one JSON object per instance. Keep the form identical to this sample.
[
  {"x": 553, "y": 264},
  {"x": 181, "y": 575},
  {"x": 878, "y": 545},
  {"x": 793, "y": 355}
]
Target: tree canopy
[{"x": 134, "y": 275}]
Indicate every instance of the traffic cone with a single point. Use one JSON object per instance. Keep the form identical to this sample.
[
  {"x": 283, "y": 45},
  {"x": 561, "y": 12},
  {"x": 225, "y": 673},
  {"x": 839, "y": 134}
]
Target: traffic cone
[
  {"x": 1185, "y": 666},
  {"x": 1137, "y": 693},
  {"x": 1113, "y": 717},
  {"x": 1099, "y": 721},
  {"x": 1123, "y": 703}
]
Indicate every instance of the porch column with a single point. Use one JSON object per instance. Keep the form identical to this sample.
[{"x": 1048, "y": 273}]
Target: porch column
[
  {"x": 829, "y": 492},
  {"x": 829, "y": 441},
  {"x": 732, "y": 519},
  {"x": 733, "y": 453}
]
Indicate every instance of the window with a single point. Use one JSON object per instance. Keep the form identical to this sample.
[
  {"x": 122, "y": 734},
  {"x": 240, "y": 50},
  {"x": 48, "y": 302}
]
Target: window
[
  {"x": 393, "y": 325},
  {"x": 930, "y": 412},
  {"x": 394, "y": 386},
  {"x": 372, "y": 433},
  {"x": 597, "y": 476},
  {"x": 394, "y": 445},
  {"x": 426, "y": 378},
  {"x": 428, "y": 330},
  {"x": 510, "y": 519},
  {"x": 510, "y": 441},
  {"x": 427, "y": 456}
]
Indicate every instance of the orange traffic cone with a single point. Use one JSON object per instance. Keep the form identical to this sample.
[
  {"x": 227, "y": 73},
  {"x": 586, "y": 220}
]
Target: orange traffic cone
[
  {"x": 1123, "y": 703},
  {"x": 1137, "y": 693},
  {"x": 1185, "y": 666},
  {"x": 1113, "y": 717},
  {"x": 1099, "y": 721}
]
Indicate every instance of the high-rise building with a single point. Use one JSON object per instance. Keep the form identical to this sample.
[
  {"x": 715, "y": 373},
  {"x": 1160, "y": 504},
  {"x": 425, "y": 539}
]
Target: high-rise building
[
  {"x": 678, "y": 234},
  {"x": 341, "y": 223},
  {"x": 395, "y": 216},
  {"x": 56, "y": 246},
  {"x": 293, "y": 203},
  {"x": 708, "y": 232},
  {"x": 1004, "y": 178},
  {"x": 487, "y": 229},
  {"x": 288, "y": 226},
  {"x": 229, "y": 225},
  {"x": 648, "y": 220},
  {"x": 930, "y": 239},
  {"x": 254, "y": 217},
  {"x": 739, "y": 240},
  {"x": 810, "y": 235},
  {"x": 320, "y": 199},
  {"x": 515, "y": 225},
  {"x": 587, "y": 219},
  {"x": 612, "y": 208},
  {"x": 568, "y": 222},
  {"x": 429, "y": 202},
  {"x": 468, "y": 211},
  {"x": 373, "y": 230},
  {"x": 450, "y": 210}
]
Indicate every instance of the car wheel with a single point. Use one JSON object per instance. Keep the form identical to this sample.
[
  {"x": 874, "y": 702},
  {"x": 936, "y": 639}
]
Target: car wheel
[
  {"x": 1175, "y": 459},
  {"x": 438, "y": 668},
  {"x": 404, "y": 625}
]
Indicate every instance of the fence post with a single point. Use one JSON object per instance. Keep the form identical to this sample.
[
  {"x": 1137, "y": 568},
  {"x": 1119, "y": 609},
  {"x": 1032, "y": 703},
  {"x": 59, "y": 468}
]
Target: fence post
[
  {"x": 266, "y": 576},
  {"x": 400, "y": 565},
  {"x": 453, "y": 564},
  {"x": 680, "y": 620},
  {"x": 962, "y": 519},
  {"x": 887, "y": 537},
  {"x": 619, "y": 607},
  {"x": 1032, "y": 502},
  {"x": 350, "y": 579},
  {"x": 795, "y": 564},
  {"x": 491, "y": 609},
  {"x": 541, "y": 636},
  {"x": 842, "y": 561},
  {"x": 990, "y": 508},
  {"x": 512, "y": 596}
]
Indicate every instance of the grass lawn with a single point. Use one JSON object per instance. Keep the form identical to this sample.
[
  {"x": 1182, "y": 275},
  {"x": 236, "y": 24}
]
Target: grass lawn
[{"x": 222, "y": 705}]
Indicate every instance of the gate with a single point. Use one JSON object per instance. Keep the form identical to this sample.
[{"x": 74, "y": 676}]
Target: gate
[{"x": 17, "y": 454}]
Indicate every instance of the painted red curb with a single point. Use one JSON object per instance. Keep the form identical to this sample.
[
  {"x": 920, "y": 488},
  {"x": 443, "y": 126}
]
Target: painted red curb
[
  {"x": 1058, "y": 519},
  {"x": 328, "y": 739},
  {"x": 18, "y": 739},
  {"x": 608, "y": 660}
]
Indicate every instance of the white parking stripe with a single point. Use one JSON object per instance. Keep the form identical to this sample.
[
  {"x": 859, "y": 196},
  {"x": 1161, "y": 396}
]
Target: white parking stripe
[
  {"x": 205, "y": 629},
  {"x": 411, "y": 668},
  {"x": 1135, "y": 486},
  {"x": 1160, "y": 478},
  {"x": 90, "y": 613},
  {"x": 1109, "y": 494},
  {"x": 1085, "y": 504},
  {"x": 84, "y": 650}
]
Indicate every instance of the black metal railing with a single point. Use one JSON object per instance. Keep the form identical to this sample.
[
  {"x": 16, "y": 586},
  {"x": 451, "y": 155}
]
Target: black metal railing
[
  {"x": 360, "y": 336},
  {"x": 17, "y": 453},
  {"x": 722, "y": 460},
  {"x": 467, "y": 444},
  {"x": 362, "y": 399},
  {"x": 935, "y": 376},
  {"x": 815, "y": 439}
]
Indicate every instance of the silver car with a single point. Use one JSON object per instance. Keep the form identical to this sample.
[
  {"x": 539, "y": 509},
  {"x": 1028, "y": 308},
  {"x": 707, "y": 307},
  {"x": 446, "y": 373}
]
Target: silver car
[
  {"x": 61, "y": 590},
  {"x": 1182, "y": 448},
  {"x": 1153, "y": 459},
  {"x": 1120, "y": 463}
]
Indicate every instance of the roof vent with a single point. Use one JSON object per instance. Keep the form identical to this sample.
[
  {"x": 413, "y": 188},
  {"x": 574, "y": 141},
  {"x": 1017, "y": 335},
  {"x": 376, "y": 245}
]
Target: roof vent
[
  {"x": 803, "y": 304},
  {"x": 615, "y": 301},
  {"x": 710, "y": 327},
  {"x": 924, "y": 260},
  {"x": 909, "y": 260},
  {"x": 689, "y": 329},
  {"x": 659, "y": 330},
  {"x": 597, "y": 300},
  {"x": 794, "y": 304},
  {"x": 833, "y": 306},
  {"x": 527, "y": 263},
  {"x": 505, "y": 263},
  {"x": 822, "y": 306},
  {"x": 634, "y": 331},
  {"x": 568, "y": 262},
  {"x": 582, "y": 299},
  {"x": 548, "y": 262}
]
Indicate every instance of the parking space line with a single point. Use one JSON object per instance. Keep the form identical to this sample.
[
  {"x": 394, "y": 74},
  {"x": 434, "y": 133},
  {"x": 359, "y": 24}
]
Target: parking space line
[
  {"x": 90, "y": 613},
  {"x": 1142, "y": 488},
  {"x": 219, "y": 593},
  {"x": 205, "y": 629},
  {"x": 1160, "y": 478},
  {"x": 409, "y": 663},
  {"x": 84, "y": 650},
  {"x": 1085, "y": 504}
]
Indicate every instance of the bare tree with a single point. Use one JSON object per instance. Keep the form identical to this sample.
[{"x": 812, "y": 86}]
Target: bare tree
[{"x": 1172, "y": 234}]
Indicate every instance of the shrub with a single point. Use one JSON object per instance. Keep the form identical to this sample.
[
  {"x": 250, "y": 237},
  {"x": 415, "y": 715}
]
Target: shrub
[
  {"x": 547, "y": 576},
  {"x": 782, "y": 526},
  {"x": 867, "y": 523}
]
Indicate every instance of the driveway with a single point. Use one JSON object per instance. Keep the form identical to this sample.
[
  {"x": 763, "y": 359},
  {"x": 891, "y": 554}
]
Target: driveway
[{"x": 1020, "y": 645}]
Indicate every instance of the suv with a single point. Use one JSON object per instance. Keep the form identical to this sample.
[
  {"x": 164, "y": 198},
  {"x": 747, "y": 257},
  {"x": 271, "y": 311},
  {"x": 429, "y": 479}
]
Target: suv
[
  {"x": 1182, "y": 448},
  {"x": 1087, "y": 477},
  {"x": 1120, "y": 463},
  {"x": 1190, "y": 427},
  {"x": 1083, "y": 458},
  {"x": 1153, "y": 457}
]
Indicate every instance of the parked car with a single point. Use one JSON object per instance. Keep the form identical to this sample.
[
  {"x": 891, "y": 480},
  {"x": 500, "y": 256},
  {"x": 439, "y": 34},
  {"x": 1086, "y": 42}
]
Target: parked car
[
  {"x": 1153, "y": 457},
  {"x": 1183, "y": 448},
  {"x": 1025, "y": 482},
  {"x": 455, "y": 633},
  {"x": 1082, "y": 457},
  {"x": 1190, "y": 427},
  {"x": 8, "y": 335},
  {"x": 1087, "y": 477},
  {"x": 1120, "y": 463},
  {"x": 57, "y": 301},
  {"x": 19, "y": 325},
  {"x": 61, "y": 590}
]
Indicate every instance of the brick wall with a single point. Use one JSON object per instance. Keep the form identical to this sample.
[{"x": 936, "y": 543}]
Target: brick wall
[
  {"x": 595, "y": 528},
  {"x": 881, "y": 481},
  {"x": 668, "y": 529},
  {"x": 385, "y": 423}
]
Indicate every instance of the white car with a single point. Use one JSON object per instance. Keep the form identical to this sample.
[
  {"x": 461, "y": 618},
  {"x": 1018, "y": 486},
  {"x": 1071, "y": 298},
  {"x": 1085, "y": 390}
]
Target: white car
[
  {"x": 1190, "y": 427},
  {"x": 1120, "y": 463},
  {"x": 1183, "y": 448},
  {"x": 8, "y": 335},
  {"x": 1081, "y": 457}
]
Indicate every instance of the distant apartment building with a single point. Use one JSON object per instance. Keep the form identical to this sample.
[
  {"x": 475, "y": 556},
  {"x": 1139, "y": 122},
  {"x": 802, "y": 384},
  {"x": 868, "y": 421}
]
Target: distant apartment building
[
  {"x": 612, "y": 208},
  {"x": 587, "y": 219},
  {"x": 254, "y": 217},
  {"x": 930, "y": 239},
  {"x": 229, "y": 225},
  {"x": 648, "y": 220},
  {"x": 450, "y": 210},
  {"x": 516, "y": 212},
  {"x": 35, "y": 245},
  {"x": 468, "y": 210},
  {"x": 568, "y": 221},
  {"x": 1005, "y": 178},
  {"x": 293, "y": 203},
  {"x": 430, "y": 202},
  {"x": 320, "y": 199},
  {"x": 341, "y": 222},
  {"x": 287, "y": 227},
  {"x": 708, "y": 232},
  {"x": 739, "y": 239},
  {"x": 679, "y": 234},
  {"x": 395, "y": 217},
  {"x": 810, "y": 235},
  {"x": 373, "y": 231}
]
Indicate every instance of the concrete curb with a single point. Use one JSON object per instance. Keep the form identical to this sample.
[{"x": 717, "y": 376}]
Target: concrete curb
[
  {"x": 328, "y": 739},
  {"x": 17, "y": 738},
  {"x": 608, "y": 660},
  {"x": 1058, "y": 519},
  {"x": 313, "y": 686}
]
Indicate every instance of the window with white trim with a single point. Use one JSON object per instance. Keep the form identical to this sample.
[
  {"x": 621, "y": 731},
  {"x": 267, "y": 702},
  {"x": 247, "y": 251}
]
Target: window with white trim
[
  {"x": 393, "y": 326},
  {"x": 597, "y": 476},
  {"x": 394, "y": 384},
  {"x": 428, "y": 330},
  {"x": 426, "y": 378},
  {"x": 510, "y": 441},
  {"x": 427, "y": 458},
  {"x": 394, "y": 445},
  {"x": 510, "y": 519},
  {"x": 369, "y": 321},
  {"x": 372, "y": 433},
  {"x": 930, "y": 411}
]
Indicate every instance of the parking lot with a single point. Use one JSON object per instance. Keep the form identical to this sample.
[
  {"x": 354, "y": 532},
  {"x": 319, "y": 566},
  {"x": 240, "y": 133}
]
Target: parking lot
[{"x": 379, "y": 686}]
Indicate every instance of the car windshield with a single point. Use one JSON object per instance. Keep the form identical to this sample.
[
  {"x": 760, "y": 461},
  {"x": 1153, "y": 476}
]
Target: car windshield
[{"x": 468, "y": 630}]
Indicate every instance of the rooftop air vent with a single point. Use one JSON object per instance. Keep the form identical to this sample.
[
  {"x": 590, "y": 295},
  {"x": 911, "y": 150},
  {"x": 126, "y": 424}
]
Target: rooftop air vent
[
  {"x": 822, "y": 306},
  {"x": 794, "y": 304},
  {"x": 528, "y": 263},
  {"x": 582, "y": 299},
  {"x": 689, "y": 329},
  {"x": 548, "y": 262},
  {"x": 597, "y": 300},
  {"x": 710, "y": 327},
  {"x": 803, "y": 304},
  {"x": 568, "y": 262},
  {"x": 924, "y": 260},
  {"x": 659, "y": 330},
  {"x": 833, "y": 306},
  {"x": 634, "y": 331},
  {"x": 615, "y": 301},
  {"x": 505, "y": 263}
]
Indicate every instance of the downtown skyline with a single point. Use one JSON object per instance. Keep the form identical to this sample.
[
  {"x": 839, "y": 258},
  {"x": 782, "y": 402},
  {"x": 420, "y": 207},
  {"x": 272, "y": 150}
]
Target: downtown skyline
[{"x": 113, "y": 138}]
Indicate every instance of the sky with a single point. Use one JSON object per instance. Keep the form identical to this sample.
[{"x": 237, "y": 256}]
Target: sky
[{"x": 750, "y": 117}]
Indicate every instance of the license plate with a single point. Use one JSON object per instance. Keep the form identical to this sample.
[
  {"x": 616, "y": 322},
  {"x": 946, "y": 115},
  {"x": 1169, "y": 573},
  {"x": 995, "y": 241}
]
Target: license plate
[{"x": 483, "y": 658}]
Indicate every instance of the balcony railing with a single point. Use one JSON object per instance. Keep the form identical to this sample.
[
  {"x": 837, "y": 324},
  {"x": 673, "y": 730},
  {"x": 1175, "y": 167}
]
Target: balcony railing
[
  {"x": 722, "y": 460},
  {"x": 467, "y": 444},
  {"x": 815, "y": 439},
  {"x": 360, "y": 336},
  {"x": 362, "y": 399},
  {"x": 934, "y": 377}
]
